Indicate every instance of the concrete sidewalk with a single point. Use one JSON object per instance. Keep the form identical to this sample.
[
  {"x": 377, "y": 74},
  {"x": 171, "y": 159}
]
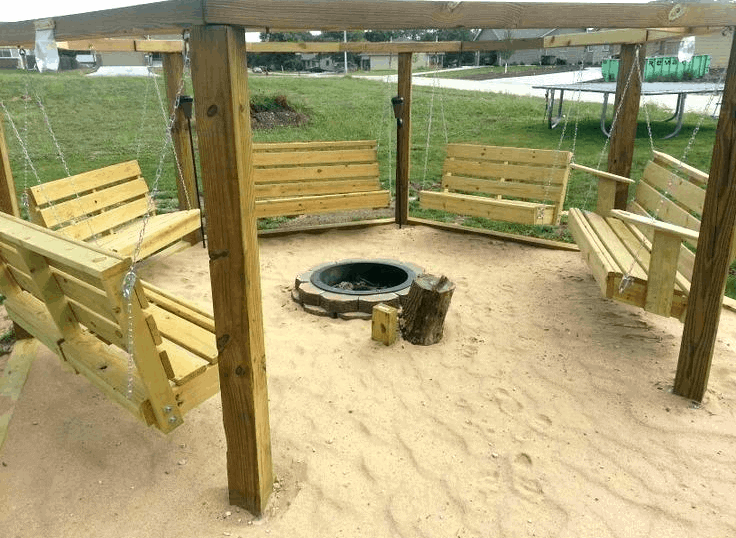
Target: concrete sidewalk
[{"x": 524, "y": 86}]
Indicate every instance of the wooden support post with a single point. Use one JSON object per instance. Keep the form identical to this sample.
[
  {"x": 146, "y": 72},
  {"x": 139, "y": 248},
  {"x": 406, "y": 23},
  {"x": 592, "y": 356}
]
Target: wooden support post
[
  {"x": 403, "y": 141},
  {"x": 186, "y": 186},
  {"x": 623, "y": 135},
  {"x": 220, "y": 78},
  {"x": 712, "y": 258},
  {"x": 8, "y": 196}
]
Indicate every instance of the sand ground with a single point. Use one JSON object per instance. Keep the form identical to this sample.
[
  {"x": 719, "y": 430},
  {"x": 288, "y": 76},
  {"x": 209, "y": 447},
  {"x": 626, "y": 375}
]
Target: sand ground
[{"x": 545, "y": 411}]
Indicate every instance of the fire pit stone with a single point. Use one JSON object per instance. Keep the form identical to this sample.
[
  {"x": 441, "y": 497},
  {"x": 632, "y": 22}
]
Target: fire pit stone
[{"x": 349, "y": 289}]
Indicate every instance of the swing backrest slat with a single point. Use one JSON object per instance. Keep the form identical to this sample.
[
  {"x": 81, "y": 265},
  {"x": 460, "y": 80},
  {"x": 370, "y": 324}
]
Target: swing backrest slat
[
  {"x": 673, "y": 192},
  {"x": 532, "y": 175},
  {"x": 92, "y": 203}
]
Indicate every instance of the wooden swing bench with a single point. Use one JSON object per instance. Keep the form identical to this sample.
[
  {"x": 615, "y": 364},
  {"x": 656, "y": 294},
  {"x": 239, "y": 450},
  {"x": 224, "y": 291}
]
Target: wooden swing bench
[
  {"x": 299, "y": 178},
  {"x": 658, "y": 255},
  {"x": 526, "y": 186},
  {"x": 69, "y": 295},
  {"x": 108, "y": 207}
]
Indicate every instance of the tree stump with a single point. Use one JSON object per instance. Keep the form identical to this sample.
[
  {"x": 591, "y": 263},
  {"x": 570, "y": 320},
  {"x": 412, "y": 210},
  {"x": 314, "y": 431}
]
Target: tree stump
[{"x": 423, "y": 319}]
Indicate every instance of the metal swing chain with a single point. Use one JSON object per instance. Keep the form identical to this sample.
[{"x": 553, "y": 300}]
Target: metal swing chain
[
  {"x": 390, "y": 125},
  {"x": 381, "y": 120},
  {"x": 576, "y": 109},
  {"x": 616, "y": 115},
  {"x": 60, "y": 154},
  {"x": 628, "y": 279},
  {"x": 169, "y": 124},
  {"x": 131, "y": 277},
  {"x": 429, "y": 131},
  {"x": 144, "y": 115}
]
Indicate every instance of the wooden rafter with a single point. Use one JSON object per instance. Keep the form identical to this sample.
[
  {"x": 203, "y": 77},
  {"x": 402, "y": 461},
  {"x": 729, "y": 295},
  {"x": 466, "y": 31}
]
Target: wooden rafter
[{"x": 603, "y": 37}]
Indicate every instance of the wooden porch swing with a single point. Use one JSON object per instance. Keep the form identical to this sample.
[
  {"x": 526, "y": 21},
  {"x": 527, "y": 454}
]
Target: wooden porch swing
[
  {"x": 32, "y": 255},
  {"x": 151, "y": 352}
]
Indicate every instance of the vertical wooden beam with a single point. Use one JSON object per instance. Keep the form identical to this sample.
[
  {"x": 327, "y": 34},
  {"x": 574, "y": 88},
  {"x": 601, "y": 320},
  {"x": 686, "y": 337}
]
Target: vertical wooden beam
[
  {"x": 623, "y": 136},
  {"x": 712, "y": 258},
  {"x": 8, "y": 196},
  {"x": 219, "y": 74},
  {"x": 403, "y": 141},
  {"x": 186, "y": 187}
]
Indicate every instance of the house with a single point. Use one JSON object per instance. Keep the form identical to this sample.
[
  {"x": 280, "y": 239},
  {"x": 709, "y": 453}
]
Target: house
[
  {"x": 10, "y": 58},
  {"x": 717, "y": 45},
  {"x": 377, "y": 61},
  {"x": 591, "y": 55}
]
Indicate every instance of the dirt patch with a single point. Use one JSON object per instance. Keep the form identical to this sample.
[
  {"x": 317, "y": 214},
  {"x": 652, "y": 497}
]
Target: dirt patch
[{"x": 275, "y": 112}]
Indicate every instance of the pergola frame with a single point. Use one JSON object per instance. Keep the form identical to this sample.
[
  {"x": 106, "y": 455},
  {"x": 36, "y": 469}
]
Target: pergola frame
[{"x": 218, "y": 55}]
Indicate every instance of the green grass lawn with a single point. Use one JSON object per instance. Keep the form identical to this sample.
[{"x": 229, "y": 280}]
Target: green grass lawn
[{"x": 102, "y": 121}]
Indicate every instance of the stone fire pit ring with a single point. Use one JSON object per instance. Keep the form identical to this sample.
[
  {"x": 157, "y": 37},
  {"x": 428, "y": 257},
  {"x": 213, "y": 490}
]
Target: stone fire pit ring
[{"x": 346, "y": 288}]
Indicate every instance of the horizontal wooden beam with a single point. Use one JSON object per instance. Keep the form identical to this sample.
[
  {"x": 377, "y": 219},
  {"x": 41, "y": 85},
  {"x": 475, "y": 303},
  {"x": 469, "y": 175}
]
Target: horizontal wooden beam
[
  {"x": 397, "y": 14},
  {"x": 170, "y": 17},
  {"x": 503, "y": 236},
  {"x": 622, "y": 36},
  {"x": 173, "y": 16},
  {"x": 124, "y": 45}
]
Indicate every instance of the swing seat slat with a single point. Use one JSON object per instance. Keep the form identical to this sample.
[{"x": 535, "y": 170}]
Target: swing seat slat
[
  {"x": 108, "y": 206},
  {"x": 521, "y": 185},
  {"x": 658, "y": 255},
  {"x": 69, "y": 295}
]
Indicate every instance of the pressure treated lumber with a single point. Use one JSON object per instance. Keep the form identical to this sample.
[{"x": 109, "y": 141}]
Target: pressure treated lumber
[
  {"x": 403, "y": 140},
  {"x": 109, "y": 207},
  {"x": 298, "y": 178},
  {"x": 657, "y": 253},
  {"x": 186, "y": 187},
  {"x": 219, "y": 76},
  {"x": 384, "y": 324},
  {"x": 69, "y": 295},
  {"x": 714, "y": 252},
  {"x": 422, "y": 320},
  {"x": 13, "y": 379},
  {"x": 521, "y": 185},
  {"x": 626, "y": 107},
  {"x": 8, "y": 196},
  {"x": 176, "y": 15}
]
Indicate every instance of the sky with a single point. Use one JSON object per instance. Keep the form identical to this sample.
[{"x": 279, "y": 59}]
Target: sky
[{"x": 21, "y": 10}]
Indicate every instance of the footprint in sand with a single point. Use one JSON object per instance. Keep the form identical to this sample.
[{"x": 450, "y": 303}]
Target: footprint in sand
[
  {"x": 524, "y": 481},
  {"x": 506, "y": 402},
  {"x": 469, "y": 350},
  {"x": 541, "y": 422}
]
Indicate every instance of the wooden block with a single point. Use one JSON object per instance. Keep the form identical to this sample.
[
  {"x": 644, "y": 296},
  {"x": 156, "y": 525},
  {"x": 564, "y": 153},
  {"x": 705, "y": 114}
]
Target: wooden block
[{"x": 385, "y": 323}]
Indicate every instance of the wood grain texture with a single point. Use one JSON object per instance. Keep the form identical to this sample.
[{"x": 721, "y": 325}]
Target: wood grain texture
[
  {"x": 623, "y": 135},
  {"x": 8, "y": 196},
  {"x": 423, "y": 318},
  {"x": 220, "y": 82},
  {"x": 714, "y": 252},
  {"x": 13, "y": 379},
  {"x": 169, "y": 17},
  {"x": 175, "y": 15},
  {"x": 377, "y": 14},
  {"x": 403, "y": 140}
]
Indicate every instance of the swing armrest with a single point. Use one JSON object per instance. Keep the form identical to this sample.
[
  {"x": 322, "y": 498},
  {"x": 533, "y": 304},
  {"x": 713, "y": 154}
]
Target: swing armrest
[
  {"x": 657, "y": 225},
  {"x": 601, "y": 174}
]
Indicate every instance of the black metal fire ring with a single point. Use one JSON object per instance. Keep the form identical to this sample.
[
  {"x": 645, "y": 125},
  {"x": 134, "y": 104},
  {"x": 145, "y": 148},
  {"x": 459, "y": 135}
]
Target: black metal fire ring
[{"x": 322, "y": 289}]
